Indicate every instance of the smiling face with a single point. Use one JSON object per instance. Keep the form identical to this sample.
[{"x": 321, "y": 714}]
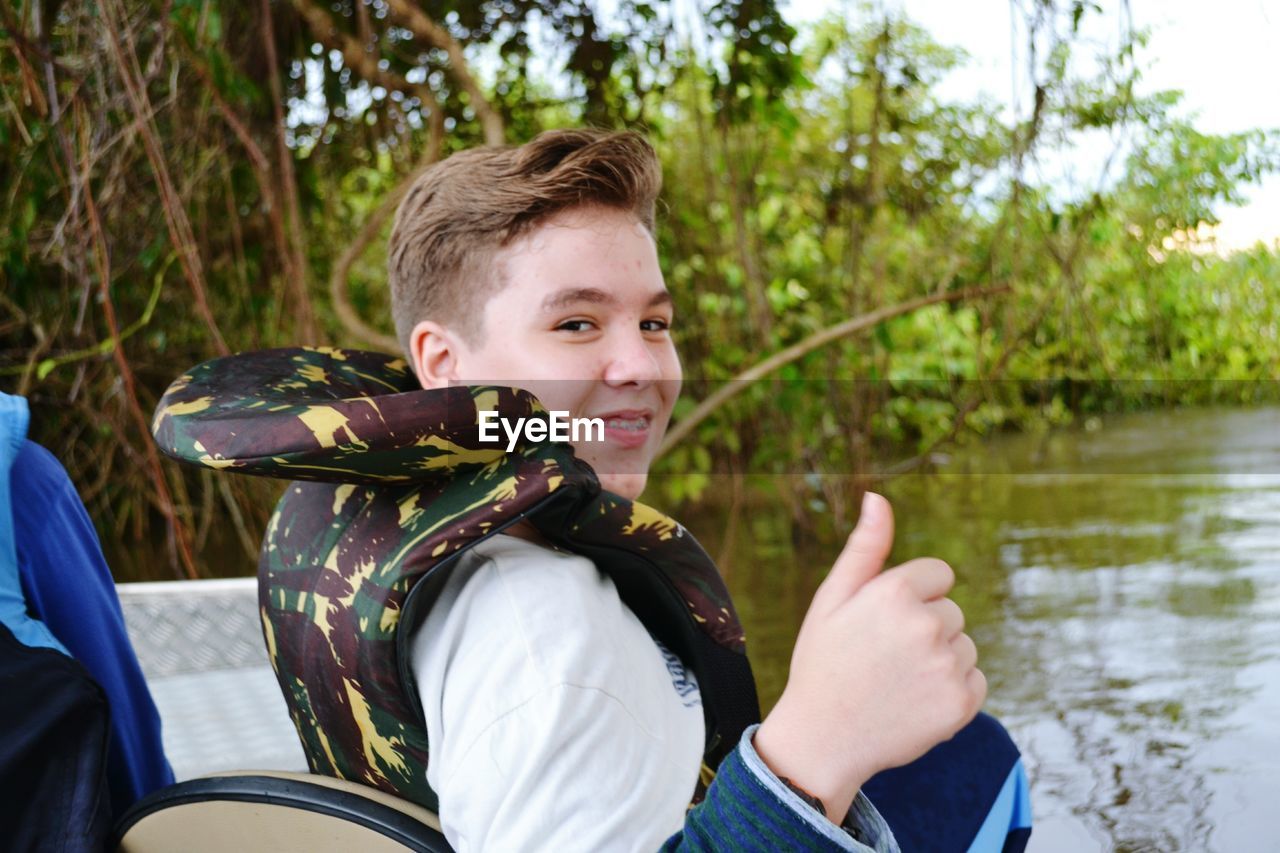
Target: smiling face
[{"x": 582, "y": 322}]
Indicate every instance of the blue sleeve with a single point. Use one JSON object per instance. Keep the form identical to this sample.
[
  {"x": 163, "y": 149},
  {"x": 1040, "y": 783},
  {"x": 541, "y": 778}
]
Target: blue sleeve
[
  {"x": 748, "y": 809},
  {"x": 68, "y": 585},
  {"x": 968, "y": 793},
  {"x": 1008, "y": 824}
]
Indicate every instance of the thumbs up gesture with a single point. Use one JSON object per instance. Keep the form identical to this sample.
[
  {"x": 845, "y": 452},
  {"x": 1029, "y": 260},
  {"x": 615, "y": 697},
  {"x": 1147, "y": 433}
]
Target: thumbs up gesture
[{"x": 882, "y": 670}]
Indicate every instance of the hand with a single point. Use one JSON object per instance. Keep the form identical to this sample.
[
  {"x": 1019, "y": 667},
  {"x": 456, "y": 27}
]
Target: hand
[{"x": 882, "y": 670}]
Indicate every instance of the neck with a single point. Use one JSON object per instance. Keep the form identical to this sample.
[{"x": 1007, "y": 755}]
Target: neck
[{"x": 523, "y": 529}]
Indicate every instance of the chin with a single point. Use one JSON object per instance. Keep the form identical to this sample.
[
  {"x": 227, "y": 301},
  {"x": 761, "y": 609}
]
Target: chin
[{"x": 629, "y": 486}]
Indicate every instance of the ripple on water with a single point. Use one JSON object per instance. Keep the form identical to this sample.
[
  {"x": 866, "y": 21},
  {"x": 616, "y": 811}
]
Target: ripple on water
[{"x": 1123, "y": 587}]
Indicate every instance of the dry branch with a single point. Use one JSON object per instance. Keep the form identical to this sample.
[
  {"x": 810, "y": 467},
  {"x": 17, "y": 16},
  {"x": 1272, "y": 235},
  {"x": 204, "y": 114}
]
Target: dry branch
[
  {"x": 258, "y": 162},
  {"x": 175, "y": 216},
  {"x": 357, "y": 59},
  {"x": 342, "y": 307},
  {"x": 1017, "y": 342},
  {"x": 297, "y": 267},
  {"x": 423, "y": 27},
  {"x": 177, "y": 530},
  {"x": 815, "y": 341},
  {"x": 338, "y": 281}
]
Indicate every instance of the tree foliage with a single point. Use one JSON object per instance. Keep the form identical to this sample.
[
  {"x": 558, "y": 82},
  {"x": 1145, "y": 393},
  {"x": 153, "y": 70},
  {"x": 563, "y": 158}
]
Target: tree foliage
[{"x": 189, "y": 177}]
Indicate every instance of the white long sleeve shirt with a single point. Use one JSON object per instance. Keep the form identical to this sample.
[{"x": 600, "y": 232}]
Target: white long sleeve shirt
[{"x": 555, "y": 720}]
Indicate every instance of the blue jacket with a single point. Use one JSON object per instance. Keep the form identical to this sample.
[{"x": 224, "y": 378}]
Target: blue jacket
[{"x": 56, "y": 591}]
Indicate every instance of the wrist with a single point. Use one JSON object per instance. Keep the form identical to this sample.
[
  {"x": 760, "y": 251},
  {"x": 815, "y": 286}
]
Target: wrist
[
  {"x": 812, "y": 800},
  {"x": 804, "y": 759}
]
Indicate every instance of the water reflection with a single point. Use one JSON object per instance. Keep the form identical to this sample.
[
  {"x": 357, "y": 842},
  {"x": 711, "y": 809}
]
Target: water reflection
[{"x": 1123, "y": 587}]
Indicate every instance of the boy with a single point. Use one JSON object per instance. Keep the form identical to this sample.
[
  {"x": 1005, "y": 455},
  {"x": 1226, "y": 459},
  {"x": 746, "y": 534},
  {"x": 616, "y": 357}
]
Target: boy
[{"x": 555, "y": 720}]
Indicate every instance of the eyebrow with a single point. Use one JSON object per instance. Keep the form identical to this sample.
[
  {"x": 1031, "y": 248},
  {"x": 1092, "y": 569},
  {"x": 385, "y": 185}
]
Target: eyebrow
[{"x": 575, "y": 295}]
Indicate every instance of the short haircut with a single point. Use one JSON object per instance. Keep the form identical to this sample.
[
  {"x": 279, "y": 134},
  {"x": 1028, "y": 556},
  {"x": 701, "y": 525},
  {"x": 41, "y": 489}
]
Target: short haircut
[{"x": 464, "y": 209}]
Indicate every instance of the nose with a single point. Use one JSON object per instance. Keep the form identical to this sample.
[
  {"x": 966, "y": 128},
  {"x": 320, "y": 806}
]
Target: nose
[{"x": 632, "y": 361}]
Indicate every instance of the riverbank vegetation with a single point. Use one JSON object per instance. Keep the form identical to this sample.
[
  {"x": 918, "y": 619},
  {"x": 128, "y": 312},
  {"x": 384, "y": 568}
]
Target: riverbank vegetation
[{"x": 868, "y": 267}]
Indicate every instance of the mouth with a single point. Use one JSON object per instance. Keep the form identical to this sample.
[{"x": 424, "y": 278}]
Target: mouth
[{"x": 628, "y": 428}]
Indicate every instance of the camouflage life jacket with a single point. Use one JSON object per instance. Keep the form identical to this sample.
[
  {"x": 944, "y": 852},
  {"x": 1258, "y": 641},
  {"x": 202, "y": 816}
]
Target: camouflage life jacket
[{"x": 391, "y": 485}]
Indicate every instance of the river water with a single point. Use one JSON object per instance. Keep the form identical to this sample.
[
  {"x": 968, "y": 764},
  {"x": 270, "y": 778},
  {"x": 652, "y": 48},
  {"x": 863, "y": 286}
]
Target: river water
[{"x": 1123, "y": 588}]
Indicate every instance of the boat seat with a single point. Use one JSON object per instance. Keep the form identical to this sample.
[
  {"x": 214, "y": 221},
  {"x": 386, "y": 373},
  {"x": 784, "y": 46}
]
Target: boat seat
[{"x": 275, "y": 811}]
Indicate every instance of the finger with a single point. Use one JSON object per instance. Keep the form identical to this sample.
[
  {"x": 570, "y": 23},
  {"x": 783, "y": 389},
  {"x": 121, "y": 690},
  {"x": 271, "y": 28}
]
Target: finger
[
  {"x": 928, "y": 578},
  {"x": 863, "y": 555},
  {"x": 966, "y": 652},
  {"x": 976, "y": 683},
  {"x": 949, "y": 614}
]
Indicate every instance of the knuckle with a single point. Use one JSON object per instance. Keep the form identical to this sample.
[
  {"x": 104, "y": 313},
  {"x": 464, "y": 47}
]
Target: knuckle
[
  {"x": 956, "y": 704},
  {"x": 894, "y": 586},
  {"x": 921, "y": 626},
  {"x": 978, "y": 688}
]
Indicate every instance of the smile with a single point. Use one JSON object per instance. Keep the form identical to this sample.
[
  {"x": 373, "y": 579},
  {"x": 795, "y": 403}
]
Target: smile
[
  {"x": 627, "y": 429},
  {"x": 632, "y": 424}
]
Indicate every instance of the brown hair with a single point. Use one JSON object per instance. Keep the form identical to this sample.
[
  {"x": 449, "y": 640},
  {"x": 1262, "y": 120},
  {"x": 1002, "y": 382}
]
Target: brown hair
[{"x": 461, "y": 211}]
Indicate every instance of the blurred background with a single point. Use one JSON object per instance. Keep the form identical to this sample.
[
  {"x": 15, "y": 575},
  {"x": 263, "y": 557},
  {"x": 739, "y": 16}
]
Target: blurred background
[{"x": 1014, "y": 264}]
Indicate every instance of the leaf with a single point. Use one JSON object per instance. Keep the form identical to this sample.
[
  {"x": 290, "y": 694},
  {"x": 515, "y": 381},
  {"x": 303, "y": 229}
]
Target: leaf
[{"x": 883, "y": 337}]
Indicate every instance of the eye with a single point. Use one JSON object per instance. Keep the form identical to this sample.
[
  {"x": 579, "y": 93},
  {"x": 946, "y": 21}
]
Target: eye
[
  {"x": 655, "y": 325},
  {"x": 575, "y": 326}
]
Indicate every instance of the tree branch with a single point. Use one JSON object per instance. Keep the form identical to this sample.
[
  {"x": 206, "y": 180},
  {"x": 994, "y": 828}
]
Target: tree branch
[
  {"x": 175, "y": 216},
  {"x": 357, "y": 59},
  {"x": 796, "y": 351},
  {"x": 342, "y": 307},
  {"x": 338, "y": 280},
  {"x": 258, "y": 162},
  {"x": 421, "y": 25},
  {"x": 297, "y": 268},
  {"x": 969, "y": 406},
  {"x": 177, "y": 530}
]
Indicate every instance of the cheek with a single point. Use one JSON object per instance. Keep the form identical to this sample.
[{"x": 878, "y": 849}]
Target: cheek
[
  {"x": 487, "y": 367},
  {"x": 673, "y": 381},
  {"x": 671, "y": 389},
  {"x": 562, "y": 395}
]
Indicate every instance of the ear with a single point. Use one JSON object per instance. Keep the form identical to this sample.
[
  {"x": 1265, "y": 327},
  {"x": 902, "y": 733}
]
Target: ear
[{"x": 435, "y": 350}]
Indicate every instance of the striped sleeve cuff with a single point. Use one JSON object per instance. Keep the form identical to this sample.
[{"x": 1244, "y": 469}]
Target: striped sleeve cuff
[
  {"x": 863, "y": 828},
  {"x": 747, "y": 809}
]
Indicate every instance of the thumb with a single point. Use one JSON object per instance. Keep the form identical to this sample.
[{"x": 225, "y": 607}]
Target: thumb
[{"x": 863, "y": 555}]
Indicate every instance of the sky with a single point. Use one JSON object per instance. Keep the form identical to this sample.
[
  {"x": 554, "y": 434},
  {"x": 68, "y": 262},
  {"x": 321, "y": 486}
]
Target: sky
[{"x": 1224, "y": 55}]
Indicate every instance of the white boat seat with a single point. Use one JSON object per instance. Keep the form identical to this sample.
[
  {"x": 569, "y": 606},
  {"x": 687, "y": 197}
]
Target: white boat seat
[{"x": 276, "y": 812}]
